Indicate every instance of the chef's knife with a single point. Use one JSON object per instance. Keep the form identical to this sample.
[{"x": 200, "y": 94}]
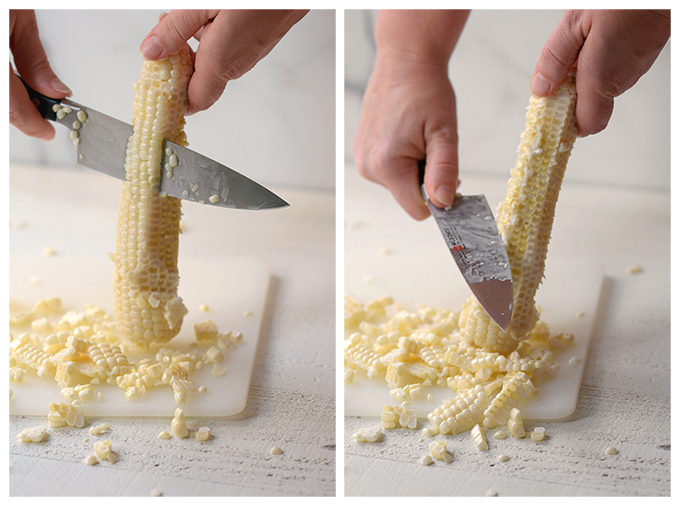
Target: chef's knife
[
  {"x": 102, "y": 142},
  {"x": 471, "y": 235}
]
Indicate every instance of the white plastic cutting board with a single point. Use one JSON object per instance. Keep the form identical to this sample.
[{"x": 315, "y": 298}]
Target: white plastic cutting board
[
  {"x": 568, "y": 297},
  {"x": 231, "y": 287}
]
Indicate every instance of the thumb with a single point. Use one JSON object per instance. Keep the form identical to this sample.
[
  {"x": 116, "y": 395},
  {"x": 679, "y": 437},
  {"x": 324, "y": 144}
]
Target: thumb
[
  {"x": 441, "y": 173},
  {"x": 172, "y": 31},
  {"x": 558, "y": 55}
]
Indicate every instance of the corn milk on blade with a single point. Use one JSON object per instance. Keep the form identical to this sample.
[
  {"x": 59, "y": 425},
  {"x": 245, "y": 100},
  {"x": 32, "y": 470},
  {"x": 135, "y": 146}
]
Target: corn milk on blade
[
  {"x": 199, "y": 179},
  {"x": 526, "y": 215},
  {"x": 146, "y": 278},
  {"x": 470, "y": 232}
]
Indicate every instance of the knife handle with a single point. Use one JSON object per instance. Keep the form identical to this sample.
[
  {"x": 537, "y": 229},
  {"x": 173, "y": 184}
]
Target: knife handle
[
  {"x": 421, "y": 172},
  {"x": 43, "y": 103}
]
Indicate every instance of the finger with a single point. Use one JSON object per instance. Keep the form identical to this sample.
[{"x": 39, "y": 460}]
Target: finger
[
  {"x": 595, "y": 103},
  {"x": 558, "y": 55},
  {"x": 30, "y": 58},
  {"x": 404, "y": 185},
  {"x": 172, "y": 31},
  {"x": 210, "y": 77},
  {"x": 23, "y": 114},
  {"x": 231, "y": 44},
  {"x": 441, "y": 172}
]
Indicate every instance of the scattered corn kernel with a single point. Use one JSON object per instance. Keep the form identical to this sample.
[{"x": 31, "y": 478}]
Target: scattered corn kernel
[
  {"x": 439, "y": 451},
  {"x": 503, "y": 458},
  {"x": 104, "y": 451},
  {"x": 538, "y": 434},
  {"x": 91, "y": 460},
  {"x": 95, "y": 431},
  {"x": 426, "y": 460},
  {"x": 479, "y": 438},
  {"x": 49, "y": 251},
  {"x": 165, "y": 435},
  {"x": 178, "y": 424},
  {"x": 218, "y": 370},
  {"x": 516, "y": 424},
  {"x": 33, "y": 435},
  {"x": 275, "y": 451},
  {"x": 634, "y": 269},
  {"x": 611, "y": 451},
  {"x": 203, "y": 434},
  {"x": 368, "y": 435}
]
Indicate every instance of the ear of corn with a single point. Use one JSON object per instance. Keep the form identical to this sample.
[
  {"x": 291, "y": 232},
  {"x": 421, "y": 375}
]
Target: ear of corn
[
  {"x": 146, "y": 278},
  {"x": 526, "y": 216}
]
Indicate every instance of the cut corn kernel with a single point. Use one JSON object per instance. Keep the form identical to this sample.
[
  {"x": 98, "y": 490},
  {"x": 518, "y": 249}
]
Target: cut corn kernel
[
  {"x": 203, "y": 434},
  {"x": 368, "y": 435},
  {"x": 104, "y": 451},
  {"x": 33, "y": 435},
  {"x": 95, "y": 431},
  {"x": 439, "y": 451},
  {"x": 611, "y": 451},
  {"x": 275, "y": 451},
  {"x": 178, "y": 424},
  {"x": 516, "y": 424},
  {"x": 146, "y": 279},
  {"x": 91, "y": 460},
  {"x": 479, "y": 438},
  {"x": 538, "y": 434}
]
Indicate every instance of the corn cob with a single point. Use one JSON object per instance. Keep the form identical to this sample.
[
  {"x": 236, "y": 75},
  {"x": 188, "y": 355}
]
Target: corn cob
[
  {"x": 146, "y": 278},
  {"x": 526, "y": 216}
]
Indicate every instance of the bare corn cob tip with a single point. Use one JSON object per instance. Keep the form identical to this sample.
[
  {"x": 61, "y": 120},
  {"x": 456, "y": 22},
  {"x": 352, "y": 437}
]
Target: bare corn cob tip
[
  {"x": 526, "y": 216},
  {"x": 146, "y": 278}
]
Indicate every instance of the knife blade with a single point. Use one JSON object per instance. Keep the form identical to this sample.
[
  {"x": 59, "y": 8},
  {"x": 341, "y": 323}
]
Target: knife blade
[
  {"x": 470, "y": 232},
  {"x": 102, "y": 141}
]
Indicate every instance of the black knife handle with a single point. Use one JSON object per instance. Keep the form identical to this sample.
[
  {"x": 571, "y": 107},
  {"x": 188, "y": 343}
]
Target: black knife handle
[
  {"x": 43, "y": 103},
  {"x": 421, "y": 172}
]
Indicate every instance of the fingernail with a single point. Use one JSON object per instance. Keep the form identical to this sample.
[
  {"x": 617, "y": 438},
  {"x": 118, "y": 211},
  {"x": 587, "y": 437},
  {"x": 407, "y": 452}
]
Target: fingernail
[
  {"x": 60, "y": 87},
  {"x": 445, "y": 195},
  {"x": 540, "y": 85},
  {"x": 151, "y": 49}
]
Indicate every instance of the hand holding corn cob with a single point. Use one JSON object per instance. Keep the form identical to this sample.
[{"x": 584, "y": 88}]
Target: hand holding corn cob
[
  {"x": 612, "y": 50},
  {"x": 231, "y": 43}
]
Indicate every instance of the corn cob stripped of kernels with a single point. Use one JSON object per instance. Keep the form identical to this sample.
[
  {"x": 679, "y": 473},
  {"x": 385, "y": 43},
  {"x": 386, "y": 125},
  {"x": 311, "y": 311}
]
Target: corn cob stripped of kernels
[
  {"x": 146, "y": 278},
  {"x": 526, "y": 216}
]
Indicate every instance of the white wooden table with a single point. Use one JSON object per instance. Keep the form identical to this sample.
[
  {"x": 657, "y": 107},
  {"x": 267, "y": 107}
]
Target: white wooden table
[
  {"x": 291, "y": 403},
  {"x": 624, "y": 399}
]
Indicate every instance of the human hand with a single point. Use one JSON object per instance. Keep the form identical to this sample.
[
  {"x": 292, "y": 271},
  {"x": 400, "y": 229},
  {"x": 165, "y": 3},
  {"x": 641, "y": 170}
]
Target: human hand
[
  {"x": 32, "y": 65},
  {"x": 409, "y": 108},
  {"x": 409, "y": 114},
  {"x": 231, "y": 42},
  {"x": 612, "y": 49}
]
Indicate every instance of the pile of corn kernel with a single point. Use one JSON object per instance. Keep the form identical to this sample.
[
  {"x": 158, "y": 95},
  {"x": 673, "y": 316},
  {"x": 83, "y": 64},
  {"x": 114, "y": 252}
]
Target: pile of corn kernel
[
  {"x": 81, "y": 350},
  {"x": 412, "y": 351}
]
